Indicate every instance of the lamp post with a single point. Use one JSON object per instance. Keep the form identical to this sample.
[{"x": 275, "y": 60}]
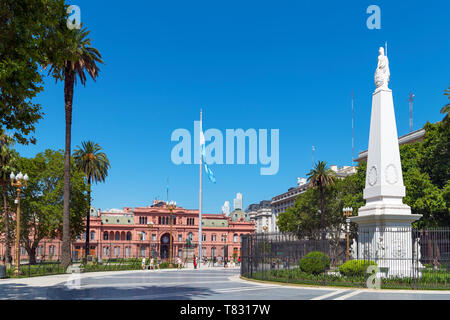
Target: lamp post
[
  {"x": 171, "y": 205},
  {"x": 264, "y": 249},
  {"x": 348, "y": 211},
  {"x": 18, "y": 181},
  {"x": 150, "y": 227}
]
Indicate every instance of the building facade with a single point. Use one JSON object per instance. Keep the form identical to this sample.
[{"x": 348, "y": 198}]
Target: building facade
[
  {"x": 145, "y": 232},
  {"x": 262, "y": 214}
]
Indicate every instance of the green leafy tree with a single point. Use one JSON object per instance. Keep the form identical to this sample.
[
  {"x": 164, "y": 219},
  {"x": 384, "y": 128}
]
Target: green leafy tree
[
  {"x": 42, "y": 200},
  {"x": 24, "y": 28},
  {"x": 76, "y": 59},
  {"x": 304, "y": 218},
  {"x": 321, "y": 176},
  {"x": 94, "y": 163},
  {"x": 8, "y": 163}
]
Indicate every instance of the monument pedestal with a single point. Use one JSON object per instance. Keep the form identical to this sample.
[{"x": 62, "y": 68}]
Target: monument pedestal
[{"x": 384, "y": 224}]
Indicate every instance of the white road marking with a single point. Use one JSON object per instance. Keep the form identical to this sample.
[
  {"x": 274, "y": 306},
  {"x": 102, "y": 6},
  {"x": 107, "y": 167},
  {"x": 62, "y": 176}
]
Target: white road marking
[
  {"x": 349, "y": 295},
  {"x": 329, "y": 294},
  {"x": 225, "y": 290}
]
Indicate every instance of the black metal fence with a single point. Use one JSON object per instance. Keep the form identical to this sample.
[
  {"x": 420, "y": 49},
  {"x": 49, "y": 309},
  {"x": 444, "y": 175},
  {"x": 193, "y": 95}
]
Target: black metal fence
[{"x": 377, "y": 257}]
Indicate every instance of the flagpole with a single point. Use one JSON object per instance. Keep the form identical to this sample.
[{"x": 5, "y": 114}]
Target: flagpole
[{"x": 200, "y": 203}]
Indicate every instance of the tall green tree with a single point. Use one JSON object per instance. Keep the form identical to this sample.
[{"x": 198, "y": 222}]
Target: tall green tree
[
  {"x": 75, "y": 61},
  {"x": 42, "y": 200},
  {"x": 321, "y": 176},
  {"x": 8, "y": 164},
  {"x": 446, "y": 109},
  {"x": 94, "y": 163},
  {"x": 24, "y": 29}
]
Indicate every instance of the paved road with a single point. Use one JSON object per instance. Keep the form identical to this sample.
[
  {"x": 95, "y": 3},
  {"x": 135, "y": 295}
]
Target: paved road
[{"x": 208, "y": 283}]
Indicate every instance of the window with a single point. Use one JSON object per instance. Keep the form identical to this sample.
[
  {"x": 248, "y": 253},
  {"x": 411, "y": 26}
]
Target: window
[
  {"x": 213, "y": 237},
  {"x": 153, "y": 237},
  {"x": 105, "y": 235},
  {"x": 106, "y": 251},
  {"x": 142, "y": 236},
  {"x": 116, "y": 251},
  {"x": 92, "y": 235},
  {"x": 117, "y": 237},
  {"x": 204, "y": 237},
  {"x": 159, "y": 220},
  {"x": 190, "y": 236},
  {"x": 180, "y": 238},
  {"x": 51, "y": 250},
  {"x": 142, "y": 251},
  {"x": 129, "y": 236},
  {"x": 235, "y": 237},
  {"x": 224, "y": 238},
  {"x": 127, "y": 251}
]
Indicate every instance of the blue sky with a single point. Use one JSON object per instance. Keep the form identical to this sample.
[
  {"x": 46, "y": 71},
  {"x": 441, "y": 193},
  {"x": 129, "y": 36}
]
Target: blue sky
[{"x": 287, "y": 65}]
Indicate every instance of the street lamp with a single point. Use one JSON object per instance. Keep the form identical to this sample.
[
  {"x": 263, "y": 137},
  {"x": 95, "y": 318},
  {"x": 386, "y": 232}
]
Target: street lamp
[
  {"x": 348, "y": 211},
  {"x": 264, "y": 249},
  {"x": 18, "y": 181},
  {"x": 150, "y": 227},
  {"x": 171, "y": 205}
]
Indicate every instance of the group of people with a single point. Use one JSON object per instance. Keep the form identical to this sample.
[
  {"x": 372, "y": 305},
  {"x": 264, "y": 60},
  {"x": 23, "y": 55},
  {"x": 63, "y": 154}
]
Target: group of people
[{"x": 154, "y": 263}]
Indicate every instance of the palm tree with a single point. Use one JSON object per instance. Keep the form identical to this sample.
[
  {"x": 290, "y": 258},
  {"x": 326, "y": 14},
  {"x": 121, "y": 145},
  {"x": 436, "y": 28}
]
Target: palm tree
[
  {"x": 94, "y": 164},
  {"x": 8, "y": 161},
  {"x": 74, "y": 58},
  {"x": 321, "y": 176}
]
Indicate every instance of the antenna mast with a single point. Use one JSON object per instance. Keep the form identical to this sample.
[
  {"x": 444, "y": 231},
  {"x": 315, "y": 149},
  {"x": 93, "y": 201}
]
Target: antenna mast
[{"x": 411, "y": 100}]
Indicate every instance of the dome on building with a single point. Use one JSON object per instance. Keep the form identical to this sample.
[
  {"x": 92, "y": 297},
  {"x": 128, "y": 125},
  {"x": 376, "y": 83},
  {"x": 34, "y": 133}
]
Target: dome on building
[{"x": 237, "y": 215}]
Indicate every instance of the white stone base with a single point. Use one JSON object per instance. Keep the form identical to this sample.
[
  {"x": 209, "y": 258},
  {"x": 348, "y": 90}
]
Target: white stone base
[{"x": 387, "y": 240}]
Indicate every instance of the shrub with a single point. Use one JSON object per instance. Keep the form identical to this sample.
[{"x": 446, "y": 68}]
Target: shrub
[
  {"x": 315, "y": 262},
  {"x": 355, "y": 267}
]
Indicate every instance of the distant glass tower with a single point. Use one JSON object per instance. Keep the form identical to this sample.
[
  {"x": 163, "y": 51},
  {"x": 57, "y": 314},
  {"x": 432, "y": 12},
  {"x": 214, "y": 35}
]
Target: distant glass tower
[{"x": 238, "y": 201}]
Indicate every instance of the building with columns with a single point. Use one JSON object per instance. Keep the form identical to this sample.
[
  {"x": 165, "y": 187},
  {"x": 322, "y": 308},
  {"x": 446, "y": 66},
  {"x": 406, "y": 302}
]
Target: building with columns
[{"x": 145, "y": 231}]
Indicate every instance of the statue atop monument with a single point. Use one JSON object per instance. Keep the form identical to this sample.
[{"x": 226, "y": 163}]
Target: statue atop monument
[{"x": 382, "y": 73}]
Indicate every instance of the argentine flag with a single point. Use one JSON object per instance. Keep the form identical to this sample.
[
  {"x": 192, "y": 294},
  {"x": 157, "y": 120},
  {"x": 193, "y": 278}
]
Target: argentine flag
[{"x": 203, "y": 151}]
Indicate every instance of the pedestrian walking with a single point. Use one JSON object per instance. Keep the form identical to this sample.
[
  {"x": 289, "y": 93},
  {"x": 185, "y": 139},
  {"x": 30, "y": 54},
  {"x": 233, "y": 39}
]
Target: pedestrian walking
[
  {"x": 195, "y": 262},
  {"x": 225, "y": 263},
  {"x": 143, "y": 263},
  {"x": 178, "y": 263}
]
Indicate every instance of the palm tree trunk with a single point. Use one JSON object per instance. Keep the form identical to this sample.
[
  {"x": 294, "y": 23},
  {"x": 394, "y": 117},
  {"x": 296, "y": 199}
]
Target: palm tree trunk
[
  {"x": 88, "y": 219},
  {"x": 68, "y": 97},
  {"x": 7, "y": 232},
  {"x": 322, "y": 212}
]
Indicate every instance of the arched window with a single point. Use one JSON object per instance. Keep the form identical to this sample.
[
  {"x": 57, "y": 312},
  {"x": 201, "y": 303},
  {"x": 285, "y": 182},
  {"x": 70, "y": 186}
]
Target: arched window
[
  {"x": 105, "y": 235},
  {"x": 111, "y": 235},
  {"x": 191, "y": 236},
  {"x": 235, "y": 238},
  {"x": 159, "y": 220},
  {"x": 129, "y": 236},
  {"x": 117, "y": 237},
  {"x": 92, "y": 235}
]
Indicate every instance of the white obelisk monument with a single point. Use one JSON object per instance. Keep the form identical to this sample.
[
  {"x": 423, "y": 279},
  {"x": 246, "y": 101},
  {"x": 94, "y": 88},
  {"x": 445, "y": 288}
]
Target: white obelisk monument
[{"x": 384, "y": 223}]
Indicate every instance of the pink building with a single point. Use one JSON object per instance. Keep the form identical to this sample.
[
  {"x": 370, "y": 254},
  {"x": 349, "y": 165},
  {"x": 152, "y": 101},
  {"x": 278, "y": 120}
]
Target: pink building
[{"x": 145, "y": 231}]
